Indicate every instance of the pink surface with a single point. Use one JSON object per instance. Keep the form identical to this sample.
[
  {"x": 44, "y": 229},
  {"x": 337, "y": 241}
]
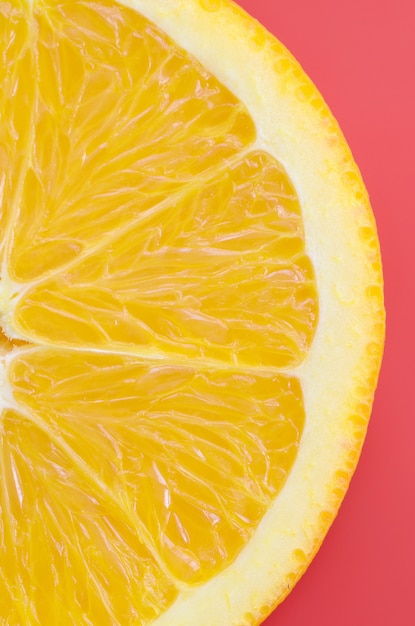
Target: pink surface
[{"x": 361, "y": 55}]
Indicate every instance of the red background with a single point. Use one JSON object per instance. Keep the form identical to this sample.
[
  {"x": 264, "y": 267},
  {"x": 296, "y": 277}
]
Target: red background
[{"x": 361, "y": 55}]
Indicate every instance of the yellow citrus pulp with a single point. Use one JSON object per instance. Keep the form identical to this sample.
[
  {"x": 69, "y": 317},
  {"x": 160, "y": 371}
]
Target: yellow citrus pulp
[{"x": 191, "y": 305}]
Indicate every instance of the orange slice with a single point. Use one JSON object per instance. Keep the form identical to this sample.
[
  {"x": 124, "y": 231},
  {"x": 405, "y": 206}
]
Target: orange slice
[{"x": 191, "y": 311}]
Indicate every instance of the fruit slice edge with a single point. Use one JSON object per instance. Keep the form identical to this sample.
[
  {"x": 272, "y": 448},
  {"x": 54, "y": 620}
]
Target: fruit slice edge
[{"x": 337, "y": 291}]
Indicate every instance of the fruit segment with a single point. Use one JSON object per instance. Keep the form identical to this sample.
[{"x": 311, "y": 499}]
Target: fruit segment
[
  {"x": 68, "y": 555},
  {"x": 185, "y": 282},
  {"x": 108, "y": 130},
  {"x": 135, "y": 475}
]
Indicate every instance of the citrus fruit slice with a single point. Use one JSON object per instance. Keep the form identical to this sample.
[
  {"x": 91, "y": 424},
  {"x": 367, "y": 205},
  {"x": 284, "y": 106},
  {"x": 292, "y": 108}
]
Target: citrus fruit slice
[{"x": 191, "y": 311}]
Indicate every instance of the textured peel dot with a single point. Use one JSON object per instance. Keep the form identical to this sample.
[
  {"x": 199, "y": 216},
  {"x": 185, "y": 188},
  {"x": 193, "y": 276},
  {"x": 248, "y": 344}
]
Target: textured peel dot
[
  {"x": 211, "y": 5},
  {"x": 342, "y": 478},
  {"x": 372, "y": 349},
  {"x": 283, "y": 66},
  {"x": 305, "y": 93},
  {"x": 326, "y": 517},
  {"x": 372, "y": 378},
  {"x": 366, "y": 234},
  {"x": 351, "y": 460},
  {"x": 358, "y": 420},
  {"x": 259, "y": 37},
  {"x": 379, "y": 327},
  {"x": 277, "y": 49},
  {"x": 361, "y": 392},
  {"x": 377, "y": 266},
  {"x": 248, "y": 619},
  {"x": 265, "y": 610},
  {"x": 361, "y": 409},
  {"x": 291, "y": 579},
  {"x": 337, "y": 494},
  {"x": 359, "y": 197},
  {"x": 352, "y": 179},
  {"x": 359, "y": 433},
  {"x": 300, "y": 556},
  {"x": 353, "y": 455}
]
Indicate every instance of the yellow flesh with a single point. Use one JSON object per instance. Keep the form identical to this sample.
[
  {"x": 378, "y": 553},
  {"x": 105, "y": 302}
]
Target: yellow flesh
[{"x": 154, "y": 288}]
